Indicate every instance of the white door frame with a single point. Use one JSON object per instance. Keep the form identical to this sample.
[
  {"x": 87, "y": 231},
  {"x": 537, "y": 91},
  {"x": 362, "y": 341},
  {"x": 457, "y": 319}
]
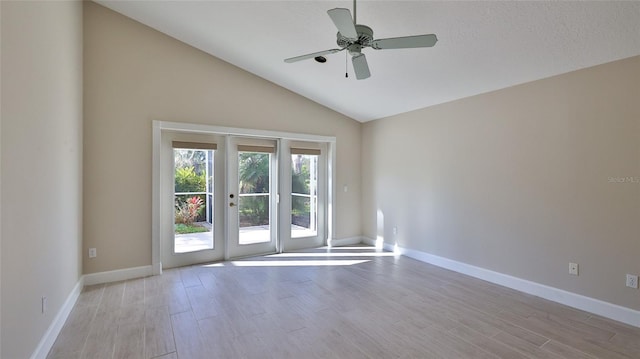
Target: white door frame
[
  {"x": 233, "y": 249},
  {"x": 286, "y": 242},
  {"x": 160, "y": 126},
  {"x": 166, "y": 206}
]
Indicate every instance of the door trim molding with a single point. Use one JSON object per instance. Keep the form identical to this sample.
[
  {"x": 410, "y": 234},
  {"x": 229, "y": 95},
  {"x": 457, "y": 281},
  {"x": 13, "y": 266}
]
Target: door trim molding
[
  {"x": 246, "y": 132},
  {"x": 159, "y": 126}
]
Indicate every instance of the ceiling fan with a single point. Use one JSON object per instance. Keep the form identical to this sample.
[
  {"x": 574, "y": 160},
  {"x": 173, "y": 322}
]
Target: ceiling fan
[{"x": 354, "y": 37}]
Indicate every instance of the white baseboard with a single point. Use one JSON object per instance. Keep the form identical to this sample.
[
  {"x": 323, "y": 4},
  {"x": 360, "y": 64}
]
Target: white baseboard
[
  {"x": 50, "y": 336},
  {"x": 333, "y": 242},
  {"x": 591, "y": 305},
  {"x": 605, "y": 309},
  {"x": 371, "y": 242},
  {"x": 156, "y": 268},
  {"x": 118, "y": 275}
]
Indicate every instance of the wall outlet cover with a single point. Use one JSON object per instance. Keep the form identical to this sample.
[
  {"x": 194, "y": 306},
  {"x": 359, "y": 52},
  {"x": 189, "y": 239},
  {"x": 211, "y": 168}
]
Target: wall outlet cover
[{"x": 573, "y": 268}]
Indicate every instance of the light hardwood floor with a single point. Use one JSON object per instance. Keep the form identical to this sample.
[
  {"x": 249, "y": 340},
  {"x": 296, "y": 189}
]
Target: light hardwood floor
[{"x": 352, "y": 302}]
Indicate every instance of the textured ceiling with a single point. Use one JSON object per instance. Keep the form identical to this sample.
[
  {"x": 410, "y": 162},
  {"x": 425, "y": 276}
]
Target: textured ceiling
[{"x": 483, "y": 45}]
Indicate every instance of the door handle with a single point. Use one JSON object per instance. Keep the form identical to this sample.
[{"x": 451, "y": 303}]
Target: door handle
[{"x": 231, "y": 204}]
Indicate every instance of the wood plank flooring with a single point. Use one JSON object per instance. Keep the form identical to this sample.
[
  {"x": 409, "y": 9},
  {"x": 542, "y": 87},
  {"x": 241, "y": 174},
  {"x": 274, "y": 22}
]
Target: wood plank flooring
[{"x": 345, "y": 302}]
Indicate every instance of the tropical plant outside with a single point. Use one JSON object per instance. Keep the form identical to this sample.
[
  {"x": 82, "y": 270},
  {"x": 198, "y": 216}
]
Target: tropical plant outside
[
  {"x": 302, "y": 191},
  {"x": 300, "y": 184},
  {"x": 182, "y": 228},
  {"x": 184, "y": 158},
  {"x": 188, "y": 181},
  {"x": 188, "y": 211},
  {"x": 190, "y": 187},
  {"x": 254, "y": 187},
  {"x": 253, "y": 172}
]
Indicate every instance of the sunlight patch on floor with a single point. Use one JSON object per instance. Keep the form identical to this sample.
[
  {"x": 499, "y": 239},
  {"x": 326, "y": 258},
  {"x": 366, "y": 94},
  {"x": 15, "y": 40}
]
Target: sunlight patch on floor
[
  {"x": 366, "y": 248},
  {"x": 298, "y": 263},
  {"x": 331, "y": 254}
]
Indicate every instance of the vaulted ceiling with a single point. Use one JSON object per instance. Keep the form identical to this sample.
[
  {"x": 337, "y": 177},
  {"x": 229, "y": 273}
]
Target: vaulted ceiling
[{"x": 483, "y": 45}]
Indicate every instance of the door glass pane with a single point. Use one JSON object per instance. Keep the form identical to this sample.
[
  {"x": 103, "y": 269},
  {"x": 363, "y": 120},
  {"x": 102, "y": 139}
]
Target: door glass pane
[
  {"x": 254, "y": 170},
  {"x": 193, "y": 200},
  {"x": 304, "y": 195}
]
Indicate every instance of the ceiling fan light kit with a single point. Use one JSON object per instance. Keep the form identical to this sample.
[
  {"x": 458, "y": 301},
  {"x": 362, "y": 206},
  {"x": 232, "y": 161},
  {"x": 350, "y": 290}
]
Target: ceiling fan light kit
[{"x": 355, "y": 37}]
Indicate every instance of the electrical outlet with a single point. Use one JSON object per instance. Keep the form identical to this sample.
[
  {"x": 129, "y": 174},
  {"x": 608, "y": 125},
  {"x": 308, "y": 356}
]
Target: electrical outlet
[
  {"x": 395, "y": 230},
  {"x": 632, "y": 281},
  {"x": 573, "y": 268},
  {"x": 93, "y": 253},
  {"x": 44, "y": 305}
]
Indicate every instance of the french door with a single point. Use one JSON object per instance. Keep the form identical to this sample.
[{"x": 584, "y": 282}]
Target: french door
[
  {"x": 192, "y": 168},
  {"x": 226, "y": 196},
  {"x": 304, "y": 185},
  {"x": 252, "y": 196}
]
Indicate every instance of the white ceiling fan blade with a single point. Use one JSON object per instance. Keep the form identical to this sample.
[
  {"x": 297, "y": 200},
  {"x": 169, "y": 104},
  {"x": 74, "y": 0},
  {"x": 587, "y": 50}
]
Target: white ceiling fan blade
[
  {"x": 405, "y": 42},
  {"x": 343, "y": 21},
  {"x": 310, "y": 56},
  {"x": 361, "y": 67}
]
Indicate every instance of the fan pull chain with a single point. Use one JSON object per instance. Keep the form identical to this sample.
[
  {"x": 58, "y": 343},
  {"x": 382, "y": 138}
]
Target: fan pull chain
[{"x": 346, "y": 57}]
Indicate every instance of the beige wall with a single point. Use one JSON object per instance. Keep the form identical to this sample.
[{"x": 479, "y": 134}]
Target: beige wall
[
  {"x": 41, "y": 166},
  {"x": 517, "y": 180},
  {"x": 134, "y": 75},
  {"x": 0, "y": 183}
]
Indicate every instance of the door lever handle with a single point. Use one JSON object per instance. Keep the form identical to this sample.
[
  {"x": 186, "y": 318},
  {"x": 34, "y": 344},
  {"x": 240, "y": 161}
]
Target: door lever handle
[{"x": 231, "y": 204}]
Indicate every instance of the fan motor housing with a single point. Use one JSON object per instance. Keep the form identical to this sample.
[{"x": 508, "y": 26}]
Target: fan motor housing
[{"x": 365, "y": 37}]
